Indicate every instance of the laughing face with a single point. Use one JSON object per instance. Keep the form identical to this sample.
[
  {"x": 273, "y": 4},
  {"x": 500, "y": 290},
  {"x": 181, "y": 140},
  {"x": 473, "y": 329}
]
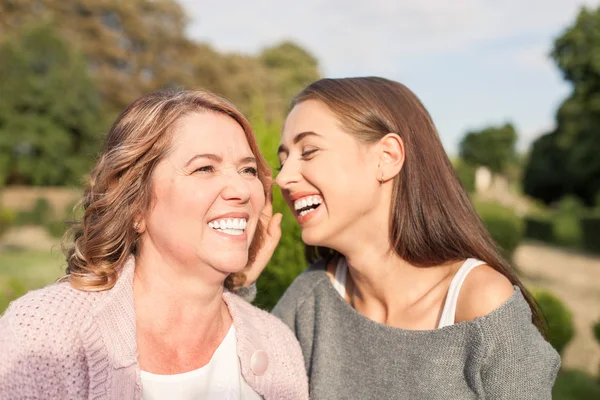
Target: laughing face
[
  {"x": 207, "y": 196},
  {"x": 327, "y": 178}
]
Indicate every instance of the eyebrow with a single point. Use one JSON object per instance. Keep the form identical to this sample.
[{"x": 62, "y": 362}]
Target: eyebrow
[
  {"x": 216, "y": 158},
  {"x": 297, "y": 138}
]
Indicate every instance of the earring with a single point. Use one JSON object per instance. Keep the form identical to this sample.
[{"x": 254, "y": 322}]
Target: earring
[
  {"x": 381, "y": 179},
  {"x": 136, "y": 226}
]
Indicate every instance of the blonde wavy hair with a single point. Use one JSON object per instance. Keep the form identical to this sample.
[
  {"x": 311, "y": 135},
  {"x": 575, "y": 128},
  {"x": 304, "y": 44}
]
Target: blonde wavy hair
[{"x": 119, "y": 187}]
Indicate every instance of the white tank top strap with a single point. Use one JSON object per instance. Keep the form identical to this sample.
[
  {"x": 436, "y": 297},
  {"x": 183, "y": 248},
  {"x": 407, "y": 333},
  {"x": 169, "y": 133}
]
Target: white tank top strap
[
  {"x": 339, "y": 281},
  {"x": 449, "y": 311}
]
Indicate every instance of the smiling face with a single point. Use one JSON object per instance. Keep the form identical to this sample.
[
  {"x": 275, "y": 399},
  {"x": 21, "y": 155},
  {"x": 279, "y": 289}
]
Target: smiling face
[
  {"x": 207, "y": 196},
  {"x": 328, "y": 178}
]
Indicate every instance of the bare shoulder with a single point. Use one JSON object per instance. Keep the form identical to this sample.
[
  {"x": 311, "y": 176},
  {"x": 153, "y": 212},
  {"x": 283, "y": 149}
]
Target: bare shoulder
[{"x": 483, "y": 291}]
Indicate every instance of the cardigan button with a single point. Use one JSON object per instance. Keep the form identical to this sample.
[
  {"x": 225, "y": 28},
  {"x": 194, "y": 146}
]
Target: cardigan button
[{"x": 259, "y": 362}]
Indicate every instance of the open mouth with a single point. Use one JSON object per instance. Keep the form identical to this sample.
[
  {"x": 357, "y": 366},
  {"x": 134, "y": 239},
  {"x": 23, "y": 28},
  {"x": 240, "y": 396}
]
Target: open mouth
[
  {"x": 229, "y": 226},
  {"x": 308, "y": 204}
]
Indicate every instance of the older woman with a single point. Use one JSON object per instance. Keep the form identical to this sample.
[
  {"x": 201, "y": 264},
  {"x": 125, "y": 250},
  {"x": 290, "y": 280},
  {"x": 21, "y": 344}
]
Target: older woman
[{"x": 172, "y": 216}]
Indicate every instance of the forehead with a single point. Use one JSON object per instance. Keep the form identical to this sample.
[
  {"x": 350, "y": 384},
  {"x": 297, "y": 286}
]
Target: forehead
[
  {"x": 209, "y": 131},
  {"x": 309, "y": 116}
]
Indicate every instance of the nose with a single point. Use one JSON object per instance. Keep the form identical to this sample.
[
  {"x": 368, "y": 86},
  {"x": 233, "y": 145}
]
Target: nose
[
  {"x": 236, "y": 188},
  {"x": 288, "y": 175}
]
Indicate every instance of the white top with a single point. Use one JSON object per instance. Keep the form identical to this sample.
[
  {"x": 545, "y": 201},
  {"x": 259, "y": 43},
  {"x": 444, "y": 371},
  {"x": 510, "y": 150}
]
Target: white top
[
  {"x": 220, "y": 379},
  {"x": 449, "y": 311}
]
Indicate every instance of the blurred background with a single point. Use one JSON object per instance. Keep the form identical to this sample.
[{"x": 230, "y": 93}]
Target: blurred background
[{"x": 513, "y": 87}]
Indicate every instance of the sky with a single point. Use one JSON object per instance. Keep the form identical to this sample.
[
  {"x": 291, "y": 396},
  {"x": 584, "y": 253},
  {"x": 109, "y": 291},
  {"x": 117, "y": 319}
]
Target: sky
[{"x": 473, "y": 63}]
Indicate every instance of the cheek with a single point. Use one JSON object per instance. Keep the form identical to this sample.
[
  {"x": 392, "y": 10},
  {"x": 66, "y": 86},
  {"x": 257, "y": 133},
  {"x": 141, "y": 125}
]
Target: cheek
[{"x": 257, "y": 195}]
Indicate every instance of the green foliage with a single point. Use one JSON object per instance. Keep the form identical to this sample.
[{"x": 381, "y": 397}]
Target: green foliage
[
  {"x": 10, "y": 291},
  {"x": 575, "y": 385},
  {"x": 566, "y": 222},
  {"x": 466, "y": 175},
  {"x": 56, "y": 228},
  {"x": 560, "y": 319},
  {"x": 492, "y": 147},
  {"x": 590, "y": 229},
  {"x": 7, "y": 219},
  {"x": 136, "y": 47},
  {"x": 292, "y": 66},
  {"x": 596, "y": 330},
  {"x": 503, "y": 224},
  {"x": 39, "y": 214},
  {"x": 565, "y": 161},
  {"x": 50, "y": 113},
  {"x": 539, "y": 228},
  {"x": 23, "y": 270}
]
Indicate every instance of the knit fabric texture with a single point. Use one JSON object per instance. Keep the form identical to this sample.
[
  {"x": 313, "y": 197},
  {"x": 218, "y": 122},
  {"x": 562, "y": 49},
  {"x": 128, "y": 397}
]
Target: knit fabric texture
[
  {"x": 63, "y": 343},
  {"x": 348, "y": 356}
]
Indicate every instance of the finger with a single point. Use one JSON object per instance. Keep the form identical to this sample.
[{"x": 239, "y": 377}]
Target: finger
[{"x": 274, "y": 227}]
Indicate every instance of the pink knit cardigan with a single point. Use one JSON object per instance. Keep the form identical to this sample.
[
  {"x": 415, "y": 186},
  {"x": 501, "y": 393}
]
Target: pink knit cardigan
[{"x": 63, "y": 343}]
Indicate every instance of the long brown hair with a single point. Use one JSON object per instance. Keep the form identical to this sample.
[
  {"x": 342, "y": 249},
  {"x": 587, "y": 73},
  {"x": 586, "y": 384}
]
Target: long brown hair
[
  {"x": 119, "y": 187},
  {"x": 432, "y": 218}
]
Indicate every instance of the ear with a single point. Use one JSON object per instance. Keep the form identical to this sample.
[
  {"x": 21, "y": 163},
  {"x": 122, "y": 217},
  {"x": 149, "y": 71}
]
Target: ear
[
  {"x": 391, "y": 156},
  {"x": 139, "y": 224}
]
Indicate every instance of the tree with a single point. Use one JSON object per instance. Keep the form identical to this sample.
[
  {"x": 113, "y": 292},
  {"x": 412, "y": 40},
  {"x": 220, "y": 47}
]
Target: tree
[
  {"x": 50, "y": 111},
  {"x": 566, "y": 160},
  {"x": 133, "y": 47},
  {"x": 492, "y": 147},
  {"x": 292, "y": 67}
]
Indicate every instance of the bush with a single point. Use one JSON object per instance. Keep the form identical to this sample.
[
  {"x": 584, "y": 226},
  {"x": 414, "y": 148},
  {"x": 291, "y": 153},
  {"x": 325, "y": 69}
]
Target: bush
[
  {"x": 539, "y": 228},
  {"x": 7, "y": 218},
  {"x": 575, "y": 385},
  {"x": 466, "y": 175},
  {"x": 39, "y": 214},
  {"x": 10, "y": 291},
  {"x": 503, "y": 224},
  {"x": 558, "y": 317},
  {"x": 565, "y": 224},
  {"x": 590, "y": 233},
  {"x": 566, "y": 230},
  {"x": 56, "y": 228},
  {"x": 571, "y": 205}
]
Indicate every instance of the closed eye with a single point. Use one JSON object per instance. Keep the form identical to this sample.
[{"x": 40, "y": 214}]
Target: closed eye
[
  {"x": 206, "y": 168},
  {"x": 308, "y": 153},
  {"x": 250, "y": 171}
]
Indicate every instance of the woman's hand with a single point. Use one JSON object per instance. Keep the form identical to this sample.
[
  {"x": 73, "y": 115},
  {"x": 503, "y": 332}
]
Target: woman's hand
[{"x": 272, "y": 235}]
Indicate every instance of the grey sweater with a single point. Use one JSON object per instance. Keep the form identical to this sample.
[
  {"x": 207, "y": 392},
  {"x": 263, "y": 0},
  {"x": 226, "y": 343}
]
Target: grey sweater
[{"x": 348, "y": 356}]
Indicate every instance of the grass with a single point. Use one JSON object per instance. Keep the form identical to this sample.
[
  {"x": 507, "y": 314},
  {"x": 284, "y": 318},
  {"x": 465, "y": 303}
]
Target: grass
[{"x": 24, "y": 270}]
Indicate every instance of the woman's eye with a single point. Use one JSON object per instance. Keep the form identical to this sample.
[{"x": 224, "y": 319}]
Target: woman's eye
[
  {"x": 308, "y": 153},
  {"x": 250, "y": 171},
  {"x": 206, "y": 168}
]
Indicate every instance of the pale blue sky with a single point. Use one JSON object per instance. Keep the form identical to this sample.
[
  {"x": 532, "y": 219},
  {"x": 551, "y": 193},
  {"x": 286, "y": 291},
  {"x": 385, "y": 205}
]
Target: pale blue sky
[{"x": 472, "y": 62}]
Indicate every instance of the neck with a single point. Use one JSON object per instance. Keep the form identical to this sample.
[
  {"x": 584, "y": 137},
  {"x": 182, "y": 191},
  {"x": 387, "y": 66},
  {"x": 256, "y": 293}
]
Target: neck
[
  {"x": 176, "y": 302},
  {"x": 384, "y": 284}
]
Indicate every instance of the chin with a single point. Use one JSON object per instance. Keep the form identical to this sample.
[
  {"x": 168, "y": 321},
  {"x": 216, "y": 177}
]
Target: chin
[
  {"x": 230, "y": 264},
  {"x": 313, "y": 238}
]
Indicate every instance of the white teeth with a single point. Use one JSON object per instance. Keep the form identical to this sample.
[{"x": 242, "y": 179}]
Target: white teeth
[
  {"x": 232, "y": 226},
  {"x": 234, "y": 232},
  {"x": 303, "y": 213},
  {"x": 307, "y": 202}
]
